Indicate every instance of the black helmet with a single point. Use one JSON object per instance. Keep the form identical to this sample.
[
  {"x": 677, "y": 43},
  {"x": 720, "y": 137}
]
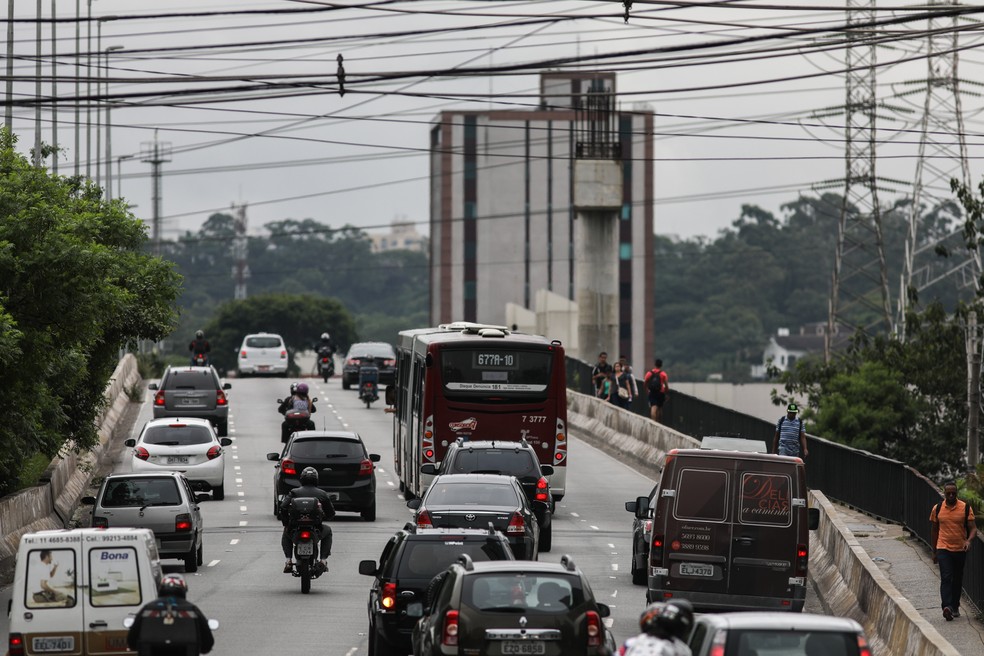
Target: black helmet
[
  {"x": 173, "y": 585},
  {"x": 676, "y": 618},
  {"x": 200, "y": 334},
  {"x": 647, "y": 621},
  {"x": 309, "y": 476},
  {"x": 293, "y": 388}
]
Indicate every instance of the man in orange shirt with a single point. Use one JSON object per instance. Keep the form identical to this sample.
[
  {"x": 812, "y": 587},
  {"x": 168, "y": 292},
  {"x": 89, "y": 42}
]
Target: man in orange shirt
[{"x": 953, "y": 532}]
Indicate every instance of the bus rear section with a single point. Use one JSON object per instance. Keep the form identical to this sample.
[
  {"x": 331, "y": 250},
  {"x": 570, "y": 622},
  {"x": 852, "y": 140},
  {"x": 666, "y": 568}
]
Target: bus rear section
[{"x": 731, "y": 531}]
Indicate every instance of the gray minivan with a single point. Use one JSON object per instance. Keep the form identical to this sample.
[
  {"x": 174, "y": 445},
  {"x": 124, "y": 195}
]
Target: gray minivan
[{"x": 730, "y": 530}]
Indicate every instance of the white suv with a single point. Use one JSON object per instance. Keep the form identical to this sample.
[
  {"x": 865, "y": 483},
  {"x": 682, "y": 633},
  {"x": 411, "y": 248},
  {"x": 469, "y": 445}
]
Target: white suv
[{"x": 263, "y": 353}]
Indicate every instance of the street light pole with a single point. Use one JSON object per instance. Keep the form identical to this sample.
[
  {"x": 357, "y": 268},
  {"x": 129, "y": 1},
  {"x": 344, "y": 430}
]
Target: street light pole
[{"x": 119, "y": 174}]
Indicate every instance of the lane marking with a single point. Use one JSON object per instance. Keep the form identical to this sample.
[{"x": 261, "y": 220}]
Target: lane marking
[
  {"x": 236, "y": 467},
  {"x": 239, "y": 480},
  {"x": 242, "y": 508},
  {"x": 213, "y": 563},
  {"x": 234, "y": 541},
  {"x": 595, "y": 527},
  {"x": 243, "y": 523},
  {"x": 381, "y": 470},
  {"x": 241, "y": 493},
  {"x": 611, "y": 546},
  {"x": 574, "y": 514},
  {"x": 234, "y": 447},
  {"x": 614, "y": 594},
  {"x": 391, "y": 483},
  {"x": 351, "y": 651},
  {"x": 235, "y": 457},
  {"x": 614, "y": 567}
]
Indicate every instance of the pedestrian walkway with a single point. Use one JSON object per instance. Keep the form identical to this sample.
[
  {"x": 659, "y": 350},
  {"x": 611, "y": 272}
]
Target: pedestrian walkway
[{"x": 908, "y": 564}]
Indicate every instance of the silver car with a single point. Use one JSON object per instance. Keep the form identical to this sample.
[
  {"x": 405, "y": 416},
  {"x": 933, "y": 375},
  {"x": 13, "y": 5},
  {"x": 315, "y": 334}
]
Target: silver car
[
  {"x": 163, "y": 502},
  {"x": 193, "y": 392},
  {"x": 766, "y": 633}
]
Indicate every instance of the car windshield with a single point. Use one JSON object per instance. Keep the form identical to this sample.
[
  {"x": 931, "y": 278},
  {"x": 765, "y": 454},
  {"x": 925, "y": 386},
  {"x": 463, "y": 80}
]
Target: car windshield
[
  {"x": 372, "y": 351},
  {"x": 190, "y": 380},
  {"x": 423, "y": 559},
  {"x": 471, "y": 494},
  {"x": 792, "y": 643},
  {"x": 177, "y": 434},
  {"x": 522, "y": 592},
  {"x": 505, "y": 461},
  {"x": 327, "y": 448},
  {"x": 263, "y": 342},
  {"x": 140, "y": 492}
]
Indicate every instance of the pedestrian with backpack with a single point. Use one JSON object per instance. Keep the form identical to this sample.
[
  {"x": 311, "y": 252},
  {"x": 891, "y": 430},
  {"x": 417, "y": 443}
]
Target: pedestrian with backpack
[
  {"x": 658, "y": 386},
  {"x": 953, "y": 532},
  {"x": 790, "y": 439}
]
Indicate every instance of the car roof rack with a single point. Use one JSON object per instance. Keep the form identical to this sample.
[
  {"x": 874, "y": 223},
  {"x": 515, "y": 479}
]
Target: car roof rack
[
  {"x": 466, "y": 562},
  {"x": 568, "y": 563}
]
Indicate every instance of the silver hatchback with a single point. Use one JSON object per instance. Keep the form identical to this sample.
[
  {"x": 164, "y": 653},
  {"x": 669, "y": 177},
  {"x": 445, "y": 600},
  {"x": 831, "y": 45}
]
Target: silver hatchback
[
  {"x": 163, "y": 502},
  {"x": 193, "y": 392}
]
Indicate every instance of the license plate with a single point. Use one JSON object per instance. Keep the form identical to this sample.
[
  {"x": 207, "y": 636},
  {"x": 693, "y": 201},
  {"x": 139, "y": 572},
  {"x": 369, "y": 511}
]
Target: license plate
[
  {"x": 177, "y": 460},
  {"x": 523, "y": 647},
  {"x": 416, "y": 609},
  {"x": 53, "y": 643},
  {"x": 305, "y": 549},
  {"x": 696, "y": 569},
  {"x": 189, "y": 401},
  {"x": 263, "y": 367}
]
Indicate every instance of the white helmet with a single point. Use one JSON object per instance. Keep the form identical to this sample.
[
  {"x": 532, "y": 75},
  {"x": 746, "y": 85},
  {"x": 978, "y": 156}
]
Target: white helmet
[{"x": 325, "y": 336}]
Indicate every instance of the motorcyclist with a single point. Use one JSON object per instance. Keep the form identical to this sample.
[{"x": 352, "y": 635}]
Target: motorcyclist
[
  {"x": 327, "y": 343},
  {"x": 170, "y": 624},
  {"x": 309, "y": 488},
  {"x": 298, "y": 400},
  {"x": 199, "y": 345},
  {"x": 665, "y": 629}
]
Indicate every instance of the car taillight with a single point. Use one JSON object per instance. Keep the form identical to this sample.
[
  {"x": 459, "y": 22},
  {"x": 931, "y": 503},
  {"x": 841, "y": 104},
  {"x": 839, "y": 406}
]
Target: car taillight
[
  {"x": 283, "y": 355},
  {"x": 305, "y": 535},
  {"x": 541, "y": 490},
  {"x": 388, "y": 598},
  {"x": 593, "y": 628},
  {"x": 863, "y": 648},
  {"x": 352, "y": 362},
  {"x": 389, "y": 363},
  {"x": 647, "y": 526},
  {"x": 159, "y": 397},
  {"x": 288, "y": 467},
  {"x": 424, "y": 520},
  {"x": 657, "y": 550},
  {"x": 220, "y": 398},
  {"x": 214, "y": 452},
  {"x": 242, "y": 354},
  {"x": 16, "y": 644},
  {"x": 365, "y": 467},
  {"x": 718, "y": 643},
  {"x": 141, "y": 453},
  {"x": 802, "y": 559},
  {"x": 516, "y": 524},
  {"x": 450, "y": 638},
  {"x": 182, "y": 523},
  {"x": 100, "y": 522}
]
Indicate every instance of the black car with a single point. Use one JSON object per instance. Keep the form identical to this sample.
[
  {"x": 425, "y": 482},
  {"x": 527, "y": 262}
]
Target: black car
[
  {"x": 380, "y": 354},
  {"x": 345, "y": 470},
  {"x": 508, "y": 458},
  {"x": 474, "y": 500},
  {"x": 409, "y": 561},
  {"x": 512, "y": 608},
  {"x": 192, "y": 392},
  {"x": 642, "y": 530}
]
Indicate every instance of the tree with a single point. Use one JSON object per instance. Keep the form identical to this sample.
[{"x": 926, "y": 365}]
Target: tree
[{"x": 75, "y": 287}]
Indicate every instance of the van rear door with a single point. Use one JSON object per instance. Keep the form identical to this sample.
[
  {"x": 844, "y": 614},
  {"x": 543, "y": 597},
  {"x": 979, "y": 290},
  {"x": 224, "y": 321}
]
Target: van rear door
[
  {"x": 765, "y": 538},
  {"x": 112, "y": 591},
  {"x": 48, "y": 612}
]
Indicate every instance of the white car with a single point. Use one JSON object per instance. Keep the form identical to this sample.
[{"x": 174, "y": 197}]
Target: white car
[
  {"x": 263, "y": 353},
  {"x": 183, "y": 444}
]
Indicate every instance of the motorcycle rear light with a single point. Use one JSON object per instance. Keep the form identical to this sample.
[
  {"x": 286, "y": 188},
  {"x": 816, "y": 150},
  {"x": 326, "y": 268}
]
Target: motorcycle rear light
[
  {"x": 159, "y": 397},
  {"x": 324, "y": 359},
  {"x": 182, "y": 523},
  {"x": 802, "y": 559},
  {"x": 516, "y": 524},
  {"x": 214, "y": 452},
  {"x": 388, "y": 598},
  {"x": 450, "y": 638},
  {"x": 141, "y": 453},
  {"x": 100, "y": 522},
  {"x": 15, "y": 644},
  {"x": 593, "y": 628},
  {"x": 288, "y": 467},
  {"x": 424, "y": 520},
  {"x": 718, "y": 643},
  {"x": 863, "y": 648},
  {"x": 220, "y": 398},
  {"x": 365, "y": 467},
  {"x": 305, "y": 535}
]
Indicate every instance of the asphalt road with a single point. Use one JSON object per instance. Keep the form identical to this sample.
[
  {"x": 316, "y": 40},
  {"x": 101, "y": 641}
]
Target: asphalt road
[{"x": 261, "y": 610}]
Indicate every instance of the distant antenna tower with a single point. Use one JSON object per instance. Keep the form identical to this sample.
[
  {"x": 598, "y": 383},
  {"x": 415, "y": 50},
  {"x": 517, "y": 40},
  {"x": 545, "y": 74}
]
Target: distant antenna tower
[
  {"x": 942, "y": 157},
  {"x": 240, "y": 270},
  {"x": 859, "y": 263},
  {"x": 156, "y": 153}
]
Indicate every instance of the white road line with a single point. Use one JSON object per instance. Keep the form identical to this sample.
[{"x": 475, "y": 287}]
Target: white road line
[
  {"x": 574, "y": 514},
  {"x": 243, "y": 523},
  {"x": 234, "y": 446},
  {"x": 213, "y": 563},
  {"x": 241, "y": 493},
  {"x": 595, "y": 528},
  {"x": 614, "y": 567},
  {"x": 235, "y": 457},
  {"x": 242, "y": 508},
  {"x": 611, "y": 546},
  {"x": 614, "y": 594},
  {"x": 236, "y": 467},
  {"x": 381, "y": 470},
  {"x": 234, "y": 541},
  {"x": 239, "y": 480},
  {"x": 351, "y": 651},
  {"x": 391, "y": 483}
]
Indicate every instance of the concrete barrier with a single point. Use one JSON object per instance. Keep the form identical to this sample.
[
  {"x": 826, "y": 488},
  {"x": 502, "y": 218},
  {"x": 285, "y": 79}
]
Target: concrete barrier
[{"x": 50, "y": 504}]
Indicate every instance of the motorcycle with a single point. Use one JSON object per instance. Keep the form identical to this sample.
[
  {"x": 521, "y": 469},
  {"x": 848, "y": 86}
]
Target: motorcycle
[
  {"x": 306, "y": 538},
  {"x": 295, "y": 420},
  {"x": 199, "y": 360},
  {"x": 326, "y": 364},
  {"x": 368, "y": 384}
]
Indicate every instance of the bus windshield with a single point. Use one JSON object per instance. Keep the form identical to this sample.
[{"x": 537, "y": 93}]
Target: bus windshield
[{"x": 503, "y": 373}]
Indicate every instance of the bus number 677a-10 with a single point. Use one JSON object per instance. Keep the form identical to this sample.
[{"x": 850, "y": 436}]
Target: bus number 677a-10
[{"x": 534, "y": 419}]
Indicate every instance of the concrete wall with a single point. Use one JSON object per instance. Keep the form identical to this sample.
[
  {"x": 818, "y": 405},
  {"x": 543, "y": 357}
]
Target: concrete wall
[{"x": 50, "y": 504}]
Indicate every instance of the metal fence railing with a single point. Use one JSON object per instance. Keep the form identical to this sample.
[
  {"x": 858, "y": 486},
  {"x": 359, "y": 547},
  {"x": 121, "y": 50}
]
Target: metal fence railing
[{"x": 885, "y": 488}]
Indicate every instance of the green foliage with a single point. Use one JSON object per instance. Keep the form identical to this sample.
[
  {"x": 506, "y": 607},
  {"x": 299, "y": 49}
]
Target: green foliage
[
  {"x": 32, "y": 469},
  {"x": 75, "y": 288}
]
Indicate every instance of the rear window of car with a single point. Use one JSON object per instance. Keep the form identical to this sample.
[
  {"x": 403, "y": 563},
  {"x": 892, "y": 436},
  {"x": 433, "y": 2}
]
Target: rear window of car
[
  {"x": 471, "y": 494},
  {"x": 189, "y": 380},
  {"x": 372, "y": 350},
  {"x": 792, "y": 643},
  {"x": 702, "y": 494},
  {"x": 263, "y": 342},
  {"x": 505, "y": 461},
  {"x": 327, "y": 449},
  {"x": 424, "y": 559},
  {"x": 140, "y": 492},
  {"x": 508, "y": 591},
  {"x": 177, "y": 434}
]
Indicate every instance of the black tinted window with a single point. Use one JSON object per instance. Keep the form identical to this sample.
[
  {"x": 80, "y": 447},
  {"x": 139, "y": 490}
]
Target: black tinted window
[
  {"x": 546, "y": 593},
  {"x": 263, "y": 342},
  {"x": 504, "y": 461},
  {"x": 423, "y": 559},
  {"x": 793, "y": 643},
  {"x": 372, "y": 350},
  {"x": 177, "y": 434},
  {"x": 139, "y": 492},
  {"x": 327, "y": 448},
  {"x": 471, "y": 494},
  {"x": 190, "y": 380},
  {"x": 702, "y": 494}
]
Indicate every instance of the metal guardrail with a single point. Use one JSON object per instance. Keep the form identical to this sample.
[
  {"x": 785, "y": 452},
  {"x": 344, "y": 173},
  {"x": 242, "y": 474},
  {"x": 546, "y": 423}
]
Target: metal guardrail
[{"x": 885, "y": 488}]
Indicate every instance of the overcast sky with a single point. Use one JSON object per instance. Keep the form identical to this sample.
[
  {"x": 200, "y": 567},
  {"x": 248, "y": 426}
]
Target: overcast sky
[{"x": 747, "y": 97}]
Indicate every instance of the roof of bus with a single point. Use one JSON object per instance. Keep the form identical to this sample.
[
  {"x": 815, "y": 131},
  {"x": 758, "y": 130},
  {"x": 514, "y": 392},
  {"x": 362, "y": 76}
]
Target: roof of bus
[{"x": 451, "y": 333}]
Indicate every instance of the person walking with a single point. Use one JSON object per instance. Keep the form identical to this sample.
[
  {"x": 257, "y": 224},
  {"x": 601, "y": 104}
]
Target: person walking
[
  {"x": 953, "y": 532},
  {"x": 790, "y": 438},
  {"x": 170, "y": 625},
  {"x": 622, "y": 397},
  {"x": 658, "y": 385},
  {"x": 601, "y": 372},
  {"x": 627, "y": 370}
]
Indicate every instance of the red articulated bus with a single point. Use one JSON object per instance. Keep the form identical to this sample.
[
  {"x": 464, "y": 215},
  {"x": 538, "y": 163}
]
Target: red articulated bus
[{"x": 477, "y": 382}]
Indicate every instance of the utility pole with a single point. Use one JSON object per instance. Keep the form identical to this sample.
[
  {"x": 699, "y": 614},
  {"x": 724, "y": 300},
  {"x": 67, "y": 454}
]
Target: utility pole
[
  {"x": 78, "y": 105},
  {"x": 37, "y": 92},
  {"x": 8, "y": 115},
  {"x": 973, "y": 392},
  {"x": 156, "y": 153},
  {"x": 54, "y": 91},
  {"x": 240, "y": 251}
]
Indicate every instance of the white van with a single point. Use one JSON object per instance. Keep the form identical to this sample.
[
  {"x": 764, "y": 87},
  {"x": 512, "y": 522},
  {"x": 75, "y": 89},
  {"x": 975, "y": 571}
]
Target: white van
[{"x": 74, "y": 588}]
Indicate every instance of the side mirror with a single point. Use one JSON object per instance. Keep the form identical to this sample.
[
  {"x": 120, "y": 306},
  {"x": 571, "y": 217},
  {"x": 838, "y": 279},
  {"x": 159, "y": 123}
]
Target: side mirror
[
  {"x": 152, "y": 386},
  {"x": 428, "y": 468},
  {"x": 314, "y": 399},
  {"x": 814, "y": 518},
  {"x": 130, "y": 442},
  {"x": 225, "y": 441},
  {"x": 604, "y": 610},
  {"x": 280, "y": 400},
  {"x": 374, "y": 457},
  {"x": 630, "y": 506},
  {"x": 642, "y": 507},
  {"x": 202, "y": 497},
  {"x": 547, "y": 470},
  {"x": 390, "y": 395},
  {"x": 225, "y": 386},
  {"x": 88, "y": 501},
  {"x": 413, "y": 504},
  {"x": 274, "y": 457},
  {"x": 367, "y": 567}
]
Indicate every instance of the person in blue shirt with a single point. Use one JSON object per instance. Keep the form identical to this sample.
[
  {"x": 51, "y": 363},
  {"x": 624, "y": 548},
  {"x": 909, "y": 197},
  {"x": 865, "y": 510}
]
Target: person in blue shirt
[{"x": 790, "y": 439}]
